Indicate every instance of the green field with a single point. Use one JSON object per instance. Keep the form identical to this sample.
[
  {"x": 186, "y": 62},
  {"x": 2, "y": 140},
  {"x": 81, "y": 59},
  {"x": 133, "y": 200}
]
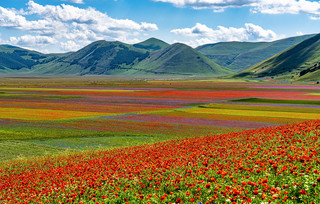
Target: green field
[{"x": 273, "y": 101}]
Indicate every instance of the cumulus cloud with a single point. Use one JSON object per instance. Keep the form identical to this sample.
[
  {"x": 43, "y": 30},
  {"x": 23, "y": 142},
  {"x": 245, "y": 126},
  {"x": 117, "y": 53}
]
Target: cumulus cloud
[
  {"x": 69, "y": 24},
  {"x": 204, "y": 4},
  {"x": 149, "y": 26},
  {"x": 202, "y": 34},
  {"x": 75, "y": 1},
  {"x": 69, "y": 45},
  {"x": 1, "y": 41},
  {"x": 30, "y": 40},
  {"x": 261, "y": 6},
  {"x": 97, "y": 20},
  {"x": 10, "y": 19}
]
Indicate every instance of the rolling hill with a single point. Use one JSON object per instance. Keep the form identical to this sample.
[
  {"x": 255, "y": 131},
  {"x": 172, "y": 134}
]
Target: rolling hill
[
  {"x": 300, "y": 62},
  {"x": 180, "y": 59},
  {"x": 155, "y": 57},
  {"x": 98, "y": 58},
  {"x": 152, "y": 44},
  {"x": 13, "y": 59},
  {"x": 116, "y": 58},
  {"x": 241, "y": 55}
]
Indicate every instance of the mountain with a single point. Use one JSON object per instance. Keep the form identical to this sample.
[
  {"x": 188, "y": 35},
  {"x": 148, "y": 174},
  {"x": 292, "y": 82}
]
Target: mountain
[
  {"x": 152, "y": 44},
  {"x": 155, "y": 57},
  {"x": 18, "y": 59},
  {"x": 180, "y": 59},
  {"x": 300, "y": 62},
  {"x": 241, "y": 55},
  {"x": 225, "y": 53},
  {"x": 116, "y": 58},
  {"x": 98, "y": 58}
]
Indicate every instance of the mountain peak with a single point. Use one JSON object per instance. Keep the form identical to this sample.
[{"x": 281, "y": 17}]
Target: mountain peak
[
  {"x": 178, "y": 44},
  {"x": 153, "y": 39},
  {"x": 180, "y": 59},
  {"x": 151, "y": 44}
]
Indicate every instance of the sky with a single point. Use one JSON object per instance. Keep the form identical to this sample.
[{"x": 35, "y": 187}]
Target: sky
[{"x": 58, "y": 26}]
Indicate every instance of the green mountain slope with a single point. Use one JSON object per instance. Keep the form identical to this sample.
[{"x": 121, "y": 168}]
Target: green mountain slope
[
  {"x": 116, "y": 58},
  {"x": 180, "y": 59},
  {"x": 152, "y": 44},
  {"x": 300, "y": 62},
  {"x": 13, "y": 59},
  {"x": 224, "y": 53},
  {"x": 241, "y": 55},
  {"x": 155, "y": 57},
  {"x": 98, "y": 58}
]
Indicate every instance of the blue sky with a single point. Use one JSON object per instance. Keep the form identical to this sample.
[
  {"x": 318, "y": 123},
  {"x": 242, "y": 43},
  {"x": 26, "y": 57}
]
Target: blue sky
[{"x": 68, "y": 25}]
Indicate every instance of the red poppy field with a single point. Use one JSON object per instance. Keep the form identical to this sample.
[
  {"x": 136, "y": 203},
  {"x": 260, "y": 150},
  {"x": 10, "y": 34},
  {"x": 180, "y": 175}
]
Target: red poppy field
[
  {"x": 174, "y": 141},
  {"x": 275, "y": 164}
]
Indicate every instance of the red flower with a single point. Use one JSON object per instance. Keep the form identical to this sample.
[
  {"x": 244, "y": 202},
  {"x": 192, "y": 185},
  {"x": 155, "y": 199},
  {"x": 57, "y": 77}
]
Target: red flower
[{"x": 303, "y": 192}]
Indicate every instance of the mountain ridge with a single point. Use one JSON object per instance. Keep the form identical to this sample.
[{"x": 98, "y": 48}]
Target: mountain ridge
[
  {"x": 241, "y": 55},
  {"x": 299, "y": 62},
  {"x": 149, "y": 57},
  {"x": 117, "y": 58},
  {"x": 97, "y": 58}
]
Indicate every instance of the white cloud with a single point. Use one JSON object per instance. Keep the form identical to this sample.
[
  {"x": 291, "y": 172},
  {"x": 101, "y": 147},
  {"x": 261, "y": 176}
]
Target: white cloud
[
  {"x": 30, "y": 40},
  {"x": 262, "y": 6},
  {"x": 202, "y": 34},
  {"x": 91, "y": 17},
  {"x": 75, "y": 1},
  {"x": 67, "y": 24},
  {"x": 69, "y": 45},
  {"x": 203, "y": 4},
  {"x": 317, "y": 17},
  {"x": 287, "y": 6},
  {"x": 1, "y": 41},
  {"x": 149, "y": 26},
  {"x": 10, "y": 19}
]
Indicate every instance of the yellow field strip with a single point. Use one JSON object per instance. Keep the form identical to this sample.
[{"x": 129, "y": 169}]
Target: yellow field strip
[
  {"x": 45, "y": 114},
  {"x": 58, "y": 89},
  {"x": 307, "y": 116}
]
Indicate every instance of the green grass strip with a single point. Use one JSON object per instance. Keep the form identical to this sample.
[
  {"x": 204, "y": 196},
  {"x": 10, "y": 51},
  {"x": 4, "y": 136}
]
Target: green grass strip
[
  {"x": 274, "y": 101},
  {"x": 13, "y": 150},
  {"x": 313, "y": 94}
]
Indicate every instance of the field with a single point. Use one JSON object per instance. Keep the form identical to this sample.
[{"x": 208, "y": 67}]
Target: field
[{"x": 195, "y": 140}]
